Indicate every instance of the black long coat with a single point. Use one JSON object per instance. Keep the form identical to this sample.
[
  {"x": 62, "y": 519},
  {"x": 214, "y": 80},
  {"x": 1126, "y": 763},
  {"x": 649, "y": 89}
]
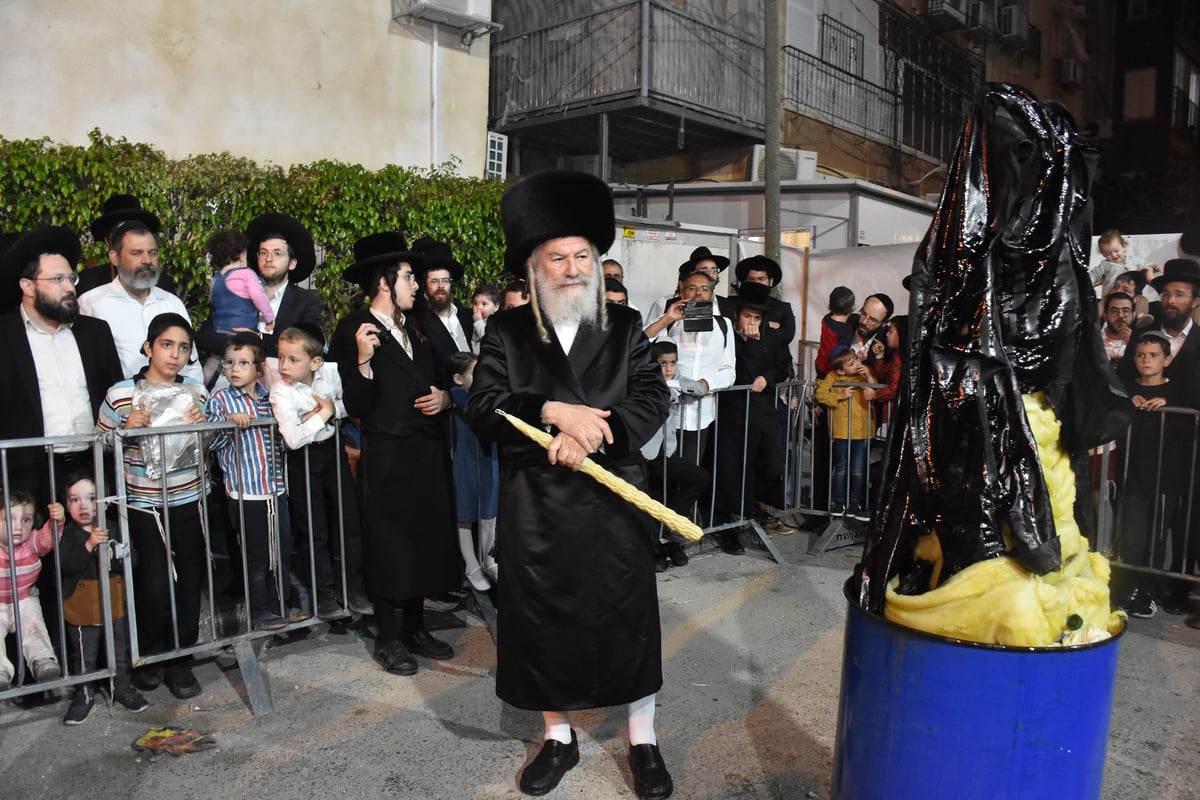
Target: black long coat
[
  {"x": 579, "y": 621},
  {"x": 410, "y": 545}
]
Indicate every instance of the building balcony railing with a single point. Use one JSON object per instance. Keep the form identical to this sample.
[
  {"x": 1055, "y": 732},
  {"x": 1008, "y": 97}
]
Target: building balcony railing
[
  {"x": 642, "y": 48},
  {"x": 822, "y": 91}
]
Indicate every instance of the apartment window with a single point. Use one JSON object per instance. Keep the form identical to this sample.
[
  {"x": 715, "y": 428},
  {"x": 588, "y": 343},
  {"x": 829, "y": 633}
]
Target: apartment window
[
  {"x": 1139, "y": 93},
  {"x": 841, "y": 45}
]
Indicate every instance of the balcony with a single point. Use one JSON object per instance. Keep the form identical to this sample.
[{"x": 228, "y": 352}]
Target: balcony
[{"x": 667, "y": 83}]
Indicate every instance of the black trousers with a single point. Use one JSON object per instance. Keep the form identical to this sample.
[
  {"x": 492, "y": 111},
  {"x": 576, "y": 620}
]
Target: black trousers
[
  {"x": 253, "y": 519},
  {"x": 154, "y": 583},
  {"x": 313, "y": 480}
]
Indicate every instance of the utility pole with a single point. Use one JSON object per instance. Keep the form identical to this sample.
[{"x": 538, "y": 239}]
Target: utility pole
[{"x": 774, "y": 18}]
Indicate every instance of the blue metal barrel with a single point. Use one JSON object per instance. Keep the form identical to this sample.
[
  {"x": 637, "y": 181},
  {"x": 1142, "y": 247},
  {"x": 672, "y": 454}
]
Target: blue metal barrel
[{"x": 921, "y": 716}]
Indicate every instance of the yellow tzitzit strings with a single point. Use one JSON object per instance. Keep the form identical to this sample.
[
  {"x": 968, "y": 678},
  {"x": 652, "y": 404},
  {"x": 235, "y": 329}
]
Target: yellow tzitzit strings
[{"x": 622, "y": 488}]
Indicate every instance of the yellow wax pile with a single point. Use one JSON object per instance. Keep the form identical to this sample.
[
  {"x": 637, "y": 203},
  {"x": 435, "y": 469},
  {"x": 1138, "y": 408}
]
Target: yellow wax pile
[{"x": 997, "y": 601}]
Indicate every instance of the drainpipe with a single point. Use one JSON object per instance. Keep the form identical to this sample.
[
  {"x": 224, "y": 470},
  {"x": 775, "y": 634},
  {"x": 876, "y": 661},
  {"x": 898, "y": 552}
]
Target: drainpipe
[{"x": 774, "y": 18}]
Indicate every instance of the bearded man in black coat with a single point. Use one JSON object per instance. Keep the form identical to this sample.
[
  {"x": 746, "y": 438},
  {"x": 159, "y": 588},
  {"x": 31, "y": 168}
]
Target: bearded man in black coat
[{"x": 579, "y": 626}]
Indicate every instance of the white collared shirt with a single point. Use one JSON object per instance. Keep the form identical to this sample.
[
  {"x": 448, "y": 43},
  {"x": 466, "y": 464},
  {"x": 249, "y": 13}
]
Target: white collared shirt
[
  {"x": 391, "y": 327},
  {"x": 290, "y": 402},
  {"x": 62, "y": 383},
  {"x": 275, "y": 301},
  {"x": 129, "y": 320},
  {"x": 449, "y": 318},
  {"x": 566, "y": 332},
  {"x": 1178, "y": 340},
  {"x": 704, "y": 355}
]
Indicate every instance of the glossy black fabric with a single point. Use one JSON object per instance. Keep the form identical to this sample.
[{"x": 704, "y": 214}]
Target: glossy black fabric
[
  {"x": 579, "y": 622},
  {"x": 1000, "y": 305}
]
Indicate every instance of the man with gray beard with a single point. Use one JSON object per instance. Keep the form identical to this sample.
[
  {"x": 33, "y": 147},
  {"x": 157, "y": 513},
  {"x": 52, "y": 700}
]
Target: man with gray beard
[
  {"x": 133, "y": 298},
  {"x": 579, "y": 625},
  {"x": 57, "y": 365}
]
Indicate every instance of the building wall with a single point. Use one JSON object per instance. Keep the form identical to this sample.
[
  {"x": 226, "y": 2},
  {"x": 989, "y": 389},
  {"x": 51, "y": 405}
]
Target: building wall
[{"x": 284, "y": 81}]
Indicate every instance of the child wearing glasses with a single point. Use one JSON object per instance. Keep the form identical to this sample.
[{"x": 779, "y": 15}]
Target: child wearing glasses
[{"x": 252, "y": 460}]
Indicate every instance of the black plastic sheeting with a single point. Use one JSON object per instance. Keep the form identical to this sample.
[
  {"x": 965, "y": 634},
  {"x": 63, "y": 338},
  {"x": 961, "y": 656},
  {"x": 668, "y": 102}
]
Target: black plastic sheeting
[{"x": 1000, "y": 305}]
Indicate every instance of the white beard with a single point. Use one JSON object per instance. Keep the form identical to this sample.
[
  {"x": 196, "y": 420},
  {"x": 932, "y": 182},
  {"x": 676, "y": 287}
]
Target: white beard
[{"x": 575, "y": 303}]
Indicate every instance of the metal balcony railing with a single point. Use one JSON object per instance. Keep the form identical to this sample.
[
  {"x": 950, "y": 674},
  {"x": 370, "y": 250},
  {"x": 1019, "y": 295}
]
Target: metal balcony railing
[
  {"x": 641, "y": 48},
  {"x": 820, "y": 90}
]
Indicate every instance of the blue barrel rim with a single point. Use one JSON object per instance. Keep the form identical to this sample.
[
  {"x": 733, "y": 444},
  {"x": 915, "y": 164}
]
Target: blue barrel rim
[{"x": 850, "y": 590}]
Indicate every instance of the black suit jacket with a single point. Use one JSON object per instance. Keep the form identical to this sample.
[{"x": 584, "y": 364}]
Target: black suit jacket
[
  {"x": 20, "y": 399},
  {"x": 299, "y": 305},
  {"x": 440, "y": 340}
]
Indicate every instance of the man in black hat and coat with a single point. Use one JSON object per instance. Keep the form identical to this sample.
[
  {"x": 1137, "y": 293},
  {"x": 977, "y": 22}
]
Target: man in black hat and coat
[
  {"x": 778, "y": 316},
  {"x": 579, "y": 627},
  {"x": 410, "y": 538},
  {"x": 57, "y": 363},
  {"x": 283, "y": 250},
  {"x": 1179, "y": 288},
  {"x": 448, "y": 326}
]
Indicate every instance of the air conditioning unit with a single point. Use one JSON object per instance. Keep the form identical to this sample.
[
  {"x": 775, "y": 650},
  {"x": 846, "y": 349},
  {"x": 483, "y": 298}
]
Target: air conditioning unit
[
  {"x": 1013, "y": 24},
  {"x": 947, "y": 14},
  {"x": 472, "y": 17},
  {"x": 495, "y": 164},
  {"x": 1069, "y": 73},
  {"x": 981, "y": 19},
  {"x": 794, "y": 165}
]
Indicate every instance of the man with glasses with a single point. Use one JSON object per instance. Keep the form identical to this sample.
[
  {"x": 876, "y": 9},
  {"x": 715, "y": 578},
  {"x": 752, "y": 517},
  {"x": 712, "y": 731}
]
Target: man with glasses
[
  {"x": 57, "y": 364},
  {"x": 283, "y": 251},
  {"x": 1118, "y": 325},
  {"x": 448, "y": 326},
  {"x": 133, "y": 298}
]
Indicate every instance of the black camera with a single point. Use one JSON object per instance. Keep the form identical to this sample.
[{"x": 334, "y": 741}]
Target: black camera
[{"x": 698, "y": 315}]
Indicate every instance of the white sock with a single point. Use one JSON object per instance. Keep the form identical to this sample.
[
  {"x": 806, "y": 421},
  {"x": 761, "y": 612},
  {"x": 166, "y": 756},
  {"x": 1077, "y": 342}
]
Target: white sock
[
  {"x": 641, "y": 721},
  {"x": 557, "y": 727},
  {"x": 466, "y": 544},
  {"x": 487, "y": 539}
]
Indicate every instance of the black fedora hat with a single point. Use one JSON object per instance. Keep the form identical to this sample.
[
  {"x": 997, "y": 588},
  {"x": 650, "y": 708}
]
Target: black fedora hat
[
  {"x": 438, "y": 255},
  {"x": 291, "y": 230},
  {"x": 702, "y": 253},
  {"x": 753, "y": 295},
  {"x": 121, "y": 208},
  {"x": 20, "y": 249},
  {"x": 1177, "y": 270},
  {"x": 374, "y": 253},
  {"x": 759, "y": 264},
  {"x": 551, "y": 205}
]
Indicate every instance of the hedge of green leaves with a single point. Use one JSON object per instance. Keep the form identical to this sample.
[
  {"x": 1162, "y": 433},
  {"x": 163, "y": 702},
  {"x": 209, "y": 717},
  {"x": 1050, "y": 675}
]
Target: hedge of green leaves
[{"x": 42, "y": 182}]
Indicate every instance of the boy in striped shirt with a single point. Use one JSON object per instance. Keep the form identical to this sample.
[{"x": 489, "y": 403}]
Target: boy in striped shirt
[{"x": 252, "y": 460}]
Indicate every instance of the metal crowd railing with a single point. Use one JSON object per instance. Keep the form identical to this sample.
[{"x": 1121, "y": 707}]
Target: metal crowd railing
[{"x": 225, "y": 622}]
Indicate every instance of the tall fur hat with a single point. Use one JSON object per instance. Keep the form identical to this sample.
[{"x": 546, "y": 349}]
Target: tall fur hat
[{"x": 553, "y": 204}]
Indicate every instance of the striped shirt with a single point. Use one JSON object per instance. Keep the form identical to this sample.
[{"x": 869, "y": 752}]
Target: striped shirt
[
  {"x": 28, "y": 558},
  {"x": 183, "y": 485},
  {"x": 251, "y": 459}
]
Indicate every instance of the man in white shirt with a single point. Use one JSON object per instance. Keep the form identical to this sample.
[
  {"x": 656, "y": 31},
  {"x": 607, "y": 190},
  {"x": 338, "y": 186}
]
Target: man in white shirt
[
  {"x": 706, "y": 356},
  {"x": 57, "y": 365},
  {"x": 133, "y": 298}
]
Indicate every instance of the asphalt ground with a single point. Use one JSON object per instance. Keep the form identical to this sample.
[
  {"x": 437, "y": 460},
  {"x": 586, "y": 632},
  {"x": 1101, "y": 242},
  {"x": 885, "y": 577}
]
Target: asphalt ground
[{"x": 751, "y": 658}]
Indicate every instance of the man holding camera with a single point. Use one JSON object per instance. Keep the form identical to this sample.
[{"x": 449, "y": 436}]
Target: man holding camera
[{"x": 707, "y": 358}]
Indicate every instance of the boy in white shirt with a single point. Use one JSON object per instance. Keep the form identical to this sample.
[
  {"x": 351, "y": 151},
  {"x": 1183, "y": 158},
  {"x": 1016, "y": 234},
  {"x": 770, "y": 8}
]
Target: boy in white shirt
[{"x": 307, "y": 402}]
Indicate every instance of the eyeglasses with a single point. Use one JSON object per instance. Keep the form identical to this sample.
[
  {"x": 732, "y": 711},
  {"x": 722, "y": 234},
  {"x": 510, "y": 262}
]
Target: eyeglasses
[
  {"x": 1177, "y": 295},
  {"x": 229, "y": 363},
  {"x": 274, "y": 255},
  {"x": 439, "y": 281},
  {"x": 62, "y": 280},
  {"x": 408, "y": 276}
]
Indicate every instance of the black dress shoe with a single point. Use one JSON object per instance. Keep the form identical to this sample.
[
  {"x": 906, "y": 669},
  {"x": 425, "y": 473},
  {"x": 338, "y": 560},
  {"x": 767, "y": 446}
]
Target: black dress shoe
[
  {"x": 395, "y": 658},
  {"x": 549, "y": 766},
  {"x": 651, "y": 780},
  {"x": 729, "y": 542},
  {"x": 423, "y": 644},
  {"x": 181, "y": 682}
]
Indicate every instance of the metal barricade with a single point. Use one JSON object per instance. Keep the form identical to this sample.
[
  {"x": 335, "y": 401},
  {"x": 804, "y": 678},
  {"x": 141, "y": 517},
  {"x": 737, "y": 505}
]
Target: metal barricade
[
  {"x": 1157, "y": 510},
  {"x": 52, "y": 453}
]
